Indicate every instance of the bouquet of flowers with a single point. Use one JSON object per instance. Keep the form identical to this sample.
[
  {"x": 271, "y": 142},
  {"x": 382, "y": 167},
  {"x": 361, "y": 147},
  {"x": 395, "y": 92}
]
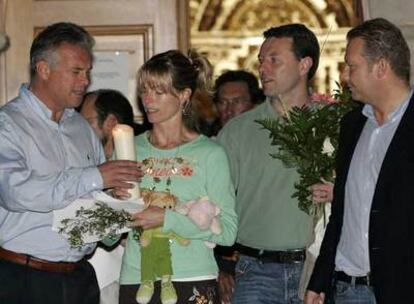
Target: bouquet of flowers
[{"x": 307, "y": 139}]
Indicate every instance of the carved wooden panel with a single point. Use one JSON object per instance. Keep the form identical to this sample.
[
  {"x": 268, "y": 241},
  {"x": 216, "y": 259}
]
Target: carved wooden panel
[{"x": 140, "y": 27}]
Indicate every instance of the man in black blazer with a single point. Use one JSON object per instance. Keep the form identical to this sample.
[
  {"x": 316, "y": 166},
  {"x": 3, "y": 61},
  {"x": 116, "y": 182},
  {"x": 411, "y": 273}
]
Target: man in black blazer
[{"x": 367, "y": 255}]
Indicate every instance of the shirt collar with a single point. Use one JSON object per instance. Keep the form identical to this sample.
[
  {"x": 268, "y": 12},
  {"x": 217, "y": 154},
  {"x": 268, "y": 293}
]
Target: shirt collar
[
  {"x": 44, "y": 112},
  {"x": 269, "y": 110},
  {"x": 368, "y": 111}
]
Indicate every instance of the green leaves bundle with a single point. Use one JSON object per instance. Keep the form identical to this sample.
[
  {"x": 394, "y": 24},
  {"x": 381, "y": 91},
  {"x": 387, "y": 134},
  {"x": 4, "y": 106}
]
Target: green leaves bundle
[
  {"x": 307, "y": 139},
  {"x": 101, "y": 221}
]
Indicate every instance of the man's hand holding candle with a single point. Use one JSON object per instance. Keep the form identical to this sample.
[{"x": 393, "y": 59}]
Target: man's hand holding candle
[
  {"x": 119, "y": 174},
  {"x": 123, "y": 174}
]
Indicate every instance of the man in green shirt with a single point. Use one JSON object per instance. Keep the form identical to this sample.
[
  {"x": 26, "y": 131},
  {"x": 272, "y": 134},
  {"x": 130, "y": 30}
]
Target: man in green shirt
[{"x": 273, "y": 231}]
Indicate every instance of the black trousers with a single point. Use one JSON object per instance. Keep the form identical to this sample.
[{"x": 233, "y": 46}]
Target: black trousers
[
  {"x": 24, "y": 285},
  {"x": 187, "y": 292}
]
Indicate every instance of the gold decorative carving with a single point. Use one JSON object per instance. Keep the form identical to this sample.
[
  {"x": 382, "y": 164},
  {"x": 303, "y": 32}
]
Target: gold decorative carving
[
  {"x": 257, "y": 15},
  {"x": 229, "y": 32}
]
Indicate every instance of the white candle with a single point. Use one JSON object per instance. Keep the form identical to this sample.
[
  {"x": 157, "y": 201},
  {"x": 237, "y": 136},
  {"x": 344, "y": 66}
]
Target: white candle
[{"x": 125, "y": 149}]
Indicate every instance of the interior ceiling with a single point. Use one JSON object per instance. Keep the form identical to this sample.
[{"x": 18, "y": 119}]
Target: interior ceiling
[
  {"x": 256, "y": 15},
  {"x": 229, "y": 32}
]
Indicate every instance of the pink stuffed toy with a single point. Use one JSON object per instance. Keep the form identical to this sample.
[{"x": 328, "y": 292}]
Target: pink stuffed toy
[{"x": 204, "y": 214}]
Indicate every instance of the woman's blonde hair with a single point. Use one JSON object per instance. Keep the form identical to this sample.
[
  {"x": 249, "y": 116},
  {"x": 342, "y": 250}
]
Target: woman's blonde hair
[{"x": 172, "y": 72}]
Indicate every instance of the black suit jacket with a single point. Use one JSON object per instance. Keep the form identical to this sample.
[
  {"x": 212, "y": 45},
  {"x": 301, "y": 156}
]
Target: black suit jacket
[{"x": 391, "y": 223}]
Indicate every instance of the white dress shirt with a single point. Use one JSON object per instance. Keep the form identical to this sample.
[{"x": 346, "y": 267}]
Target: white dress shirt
[
  {"x": 44, "y": 166},
  {"x": 352, "y": 254}
]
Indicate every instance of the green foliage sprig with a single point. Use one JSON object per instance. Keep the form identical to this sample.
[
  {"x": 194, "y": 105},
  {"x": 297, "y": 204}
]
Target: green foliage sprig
[
  {"x": 307, "y": 139},
  {"x": 100, "y": 221}
]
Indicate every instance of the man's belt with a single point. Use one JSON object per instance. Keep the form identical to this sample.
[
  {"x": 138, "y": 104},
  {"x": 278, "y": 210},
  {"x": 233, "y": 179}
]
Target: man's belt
[
  {"x": 270, "y": 256},
  {"x": 343, "y": 277},
  {"x": 35, "y": 263}
]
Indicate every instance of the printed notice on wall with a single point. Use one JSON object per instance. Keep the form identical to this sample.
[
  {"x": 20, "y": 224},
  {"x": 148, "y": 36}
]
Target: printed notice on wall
[{"x": 110, "y": 71}]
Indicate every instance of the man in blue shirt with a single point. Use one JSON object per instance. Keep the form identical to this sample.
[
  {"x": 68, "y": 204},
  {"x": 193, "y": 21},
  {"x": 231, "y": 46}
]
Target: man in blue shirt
[{"x": 49, "y": 157}]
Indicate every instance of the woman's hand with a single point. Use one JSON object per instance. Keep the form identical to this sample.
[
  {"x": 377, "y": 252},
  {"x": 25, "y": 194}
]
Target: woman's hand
[{"x": 151, "y": 217}]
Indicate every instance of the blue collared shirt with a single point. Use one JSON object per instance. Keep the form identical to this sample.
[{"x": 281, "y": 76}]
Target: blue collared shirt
[
  {"x": 44, "y": 166},
  {"x": 352, "y": 255}
]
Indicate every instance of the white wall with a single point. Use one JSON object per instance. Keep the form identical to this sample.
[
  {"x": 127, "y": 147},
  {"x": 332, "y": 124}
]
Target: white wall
[{"x": 400, "y": 12}]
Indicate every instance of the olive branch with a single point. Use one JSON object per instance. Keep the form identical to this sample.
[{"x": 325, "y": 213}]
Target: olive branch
[{"x": 101, "y": 221}]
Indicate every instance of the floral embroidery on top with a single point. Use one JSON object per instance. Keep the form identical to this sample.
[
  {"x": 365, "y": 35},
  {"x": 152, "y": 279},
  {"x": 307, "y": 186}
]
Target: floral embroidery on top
[
  {"x": 187, "y": 171},
  {"x": 199, "y": 298},
  {"x": 159, "y": 168}
]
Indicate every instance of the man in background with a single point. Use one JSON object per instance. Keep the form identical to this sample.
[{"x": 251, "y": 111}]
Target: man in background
[
  {"x": 236, "y": 92},
  {"x": 104, "y": 109}
]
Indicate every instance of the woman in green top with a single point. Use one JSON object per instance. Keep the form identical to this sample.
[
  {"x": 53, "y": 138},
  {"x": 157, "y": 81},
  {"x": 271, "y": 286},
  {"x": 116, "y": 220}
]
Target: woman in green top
[{"x": 177, "y": 159}]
